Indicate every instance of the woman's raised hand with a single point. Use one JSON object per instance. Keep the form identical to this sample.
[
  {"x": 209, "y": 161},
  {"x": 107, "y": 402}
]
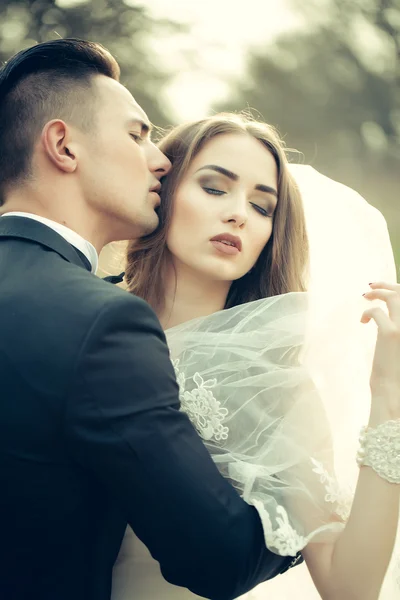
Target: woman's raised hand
[{"x": 385, "y": 374}]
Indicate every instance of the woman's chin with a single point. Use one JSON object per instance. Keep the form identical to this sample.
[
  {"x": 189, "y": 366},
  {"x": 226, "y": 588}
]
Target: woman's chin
[{"x": 222, "y": 275}]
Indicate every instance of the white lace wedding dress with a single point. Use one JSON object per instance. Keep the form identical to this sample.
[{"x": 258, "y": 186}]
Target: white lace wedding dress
[
  {"x": 278, "y": 390},
  {"x": 267, "y": 394}
]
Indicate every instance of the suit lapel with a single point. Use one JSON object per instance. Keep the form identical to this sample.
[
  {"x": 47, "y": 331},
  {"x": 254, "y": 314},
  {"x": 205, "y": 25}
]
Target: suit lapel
[{"x": 34, "y": 231}]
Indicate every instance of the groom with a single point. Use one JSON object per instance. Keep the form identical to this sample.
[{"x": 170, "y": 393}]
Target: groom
[{"x": 91, "y": 436}]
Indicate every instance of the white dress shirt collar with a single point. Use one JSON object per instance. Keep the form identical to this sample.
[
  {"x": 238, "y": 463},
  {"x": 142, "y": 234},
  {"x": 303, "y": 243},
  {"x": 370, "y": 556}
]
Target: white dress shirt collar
[{"x": 68, "y": 234}]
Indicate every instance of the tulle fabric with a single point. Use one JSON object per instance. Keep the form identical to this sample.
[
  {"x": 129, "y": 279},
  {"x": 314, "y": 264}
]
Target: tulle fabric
[
  {"x": 273, "y": 397},
  {"x": 279, "y": 389}
]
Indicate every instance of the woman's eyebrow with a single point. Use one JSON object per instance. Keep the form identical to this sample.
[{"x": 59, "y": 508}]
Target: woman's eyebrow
[{"x": 221, "y": 170}]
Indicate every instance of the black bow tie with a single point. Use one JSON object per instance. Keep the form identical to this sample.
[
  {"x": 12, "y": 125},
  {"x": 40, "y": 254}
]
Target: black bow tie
[{"x": 115, "y": 278}]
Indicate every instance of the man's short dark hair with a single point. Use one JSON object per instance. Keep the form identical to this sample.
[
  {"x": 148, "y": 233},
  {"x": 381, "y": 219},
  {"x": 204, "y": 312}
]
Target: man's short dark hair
[{"x": 47, "y": 81}]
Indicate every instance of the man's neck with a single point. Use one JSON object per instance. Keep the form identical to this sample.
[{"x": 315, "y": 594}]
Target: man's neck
[
  {"x": 62, "y": 211},
  {"x": 189, "y": 296}
]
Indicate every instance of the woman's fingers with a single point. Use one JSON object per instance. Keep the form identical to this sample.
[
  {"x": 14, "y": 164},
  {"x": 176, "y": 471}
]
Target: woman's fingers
[
  {"x": 378, "y": 315},
  {"x": 384, "y": 285},
  {"x": 391, "y": 298},
  {"x": 385, "y": 375}
]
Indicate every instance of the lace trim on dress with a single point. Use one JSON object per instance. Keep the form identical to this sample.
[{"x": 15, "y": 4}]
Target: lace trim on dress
[
  {"x": 201, "y": 406},
  {"x": 207, "y": 416},
  {"x": 283, "y": 540},
  {"x": 334, "y": 492}
]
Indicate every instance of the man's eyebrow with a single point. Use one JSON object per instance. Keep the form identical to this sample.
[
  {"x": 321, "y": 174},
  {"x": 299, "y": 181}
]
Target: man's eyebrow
[
  {"x": 145, "y": 126},
  {"x": 262, "y": 188}
]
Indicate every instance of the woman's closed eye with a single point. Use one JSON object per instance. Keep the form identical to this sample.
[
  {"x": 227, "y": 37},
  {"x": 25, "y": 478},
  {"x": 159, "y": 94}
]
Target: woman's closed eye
[
  {"x": 213, "y": 191},
  {"x": 263, "y": 211}
]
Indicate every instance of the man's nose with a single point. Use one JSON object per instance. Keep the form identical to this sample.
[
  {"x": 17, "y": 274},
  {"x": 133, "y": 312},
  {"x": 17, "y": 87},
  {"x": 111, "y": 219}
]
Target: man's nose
[{"x": 159, "y": 164}]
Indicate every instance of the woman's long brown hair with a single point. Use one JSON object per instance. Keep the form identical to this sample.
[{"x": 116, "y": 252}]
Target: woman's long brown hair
[{"x": 281, "y": 266}]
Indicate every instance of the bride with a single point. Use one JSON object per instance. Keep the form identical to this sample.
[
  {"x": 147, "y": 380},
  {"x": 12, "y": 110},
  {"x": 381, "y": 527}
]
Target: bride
[{"x": 276, "y": 378}]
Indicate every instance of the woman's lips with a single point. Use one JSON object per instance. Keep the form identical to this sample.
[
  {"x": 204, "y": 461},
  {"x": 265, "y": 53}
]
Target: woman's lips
[{"x": 225, "y": 248}]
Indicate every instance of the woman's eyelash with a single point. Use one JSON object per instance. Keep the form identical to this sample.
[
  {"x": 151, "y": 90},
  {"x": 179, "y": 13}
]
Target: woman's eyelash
[
  {"x": 213, "y": 191},
  {"x": 262, "y": 211}
]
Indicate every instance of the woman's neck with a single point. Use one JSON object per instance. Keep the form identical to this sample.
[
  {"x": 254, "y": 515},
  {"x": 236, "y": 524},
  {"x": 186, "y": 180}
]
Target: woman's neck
[{"x": 189, "y": 295}]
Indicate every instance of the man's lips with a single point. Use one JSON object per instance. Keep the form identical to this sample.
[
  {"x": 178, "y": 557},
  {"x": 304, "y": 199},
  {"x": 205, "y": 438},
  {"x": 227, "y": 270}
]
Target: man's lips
[
  {"x": 156, "y": 198},
  {"x": 156, "y": 188}
]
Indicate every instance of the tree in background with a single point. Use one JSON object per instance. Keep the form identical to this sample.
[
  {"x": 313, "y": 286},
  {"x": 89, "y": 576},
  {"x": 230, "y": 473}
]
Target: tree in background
[
  {"x": 124, "y": 28},
  {"x": 333, "y": 90}
]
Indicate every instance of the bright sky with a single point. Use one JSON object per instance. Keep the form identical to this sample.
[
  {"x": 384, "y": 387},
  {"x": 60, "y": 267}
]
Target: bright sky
[{"x": 214, "y": 52}]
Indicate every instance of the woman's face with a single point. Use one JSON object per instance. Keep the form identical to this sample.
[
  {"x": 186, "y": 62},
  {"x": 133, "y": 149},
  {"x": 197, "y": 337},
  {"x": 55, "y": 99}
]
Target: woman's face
[{"x": 223, "y": 208}]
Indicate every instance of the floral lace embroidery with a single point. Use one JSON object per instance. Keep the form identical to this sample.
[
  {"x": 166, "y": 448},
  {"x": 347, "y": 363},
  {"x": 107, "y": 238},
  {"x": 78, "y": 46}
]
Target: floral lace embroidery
[
  {"x": 334, "y": 493},
  {"x": 201, "y": 406},
  {"x": 284, "y": 539}
]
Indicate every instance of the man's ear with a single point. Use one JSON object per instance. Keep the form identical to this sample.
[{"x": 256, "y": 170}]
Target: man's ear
[{"x": 58, "y": 146}]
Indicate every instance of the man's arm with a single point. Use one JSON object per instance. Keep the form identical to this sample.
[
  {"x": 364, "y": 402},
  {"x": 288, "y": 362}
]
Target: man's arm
[{"x": 124, "y": 424}]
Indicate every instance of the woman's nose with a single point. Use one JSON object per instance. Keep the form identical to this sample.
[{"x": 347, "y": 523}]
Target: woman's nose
[{"x": 236, "y": 214}]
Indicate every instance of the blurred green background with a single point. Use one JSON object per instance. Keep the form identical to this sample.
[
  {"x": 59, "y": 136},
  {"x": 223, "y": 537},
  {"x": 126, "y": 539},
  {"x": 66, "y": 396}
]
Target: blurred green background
[{"x": 325, "y": 72}]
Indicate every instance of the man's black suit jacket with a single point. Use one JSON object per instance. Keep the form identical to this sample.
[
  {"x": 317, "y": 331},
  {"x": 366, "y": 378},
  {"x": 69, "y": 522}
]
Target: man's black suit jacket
[{"x": 91, "y": 438}]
